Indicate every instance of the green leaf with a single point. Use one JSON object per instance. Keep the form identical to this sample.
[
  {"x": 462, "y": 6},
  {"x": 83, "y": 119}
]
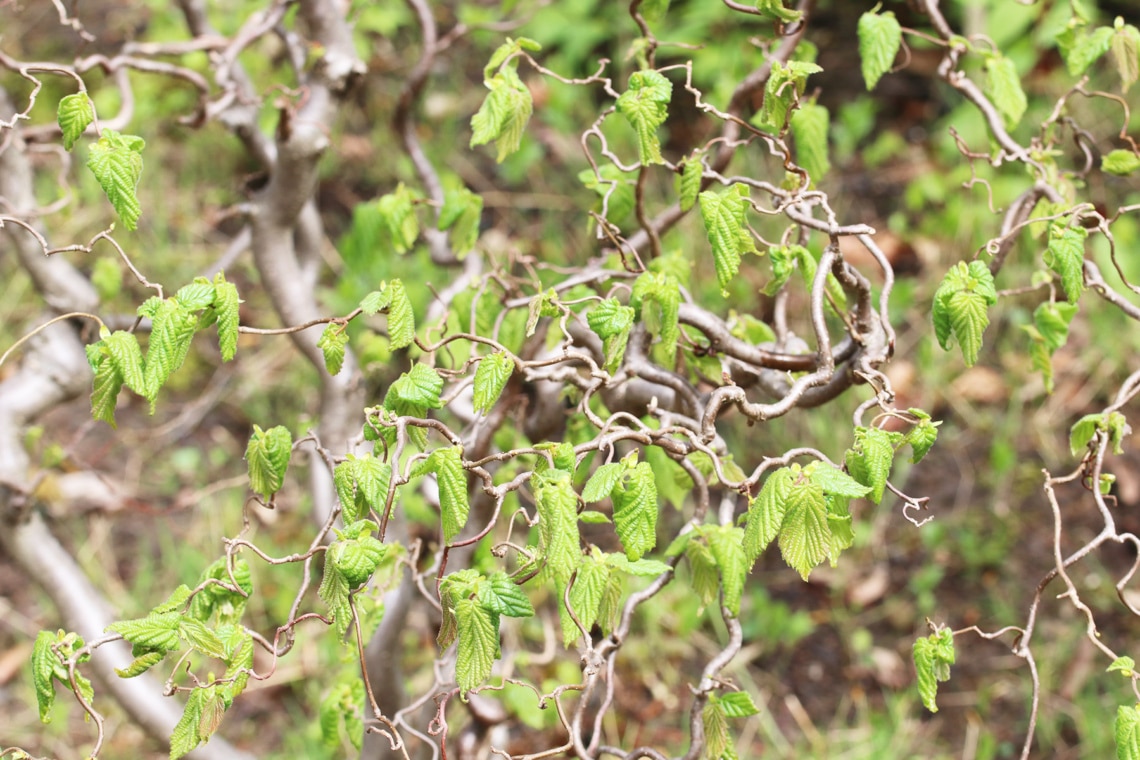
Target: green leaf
[
  {"x": 1052, "y": 321},
  {"x": 201, "y": 638},
  {"x": 1125, "y": 47},
  {"x": 45, "y": 663},
  {"x": 642, "y": 568},
  {"x": 202, "y": 716},
  {"x": 645, "y": 105},
  {"x": 691, "y": 173},
  {"x": 107, "y": 277},
  {"x": 809, "y": 128},
  {"x": 805, "y": 535},
  {"x": 141, "y": 664},
  {"x": 725, "y": 543},
  {"x": 960, "y": 306},
  {"x": 172, "y": 329},
  {"x": 869, "y": 460},
  {"x": 355, "y": 559},
  {"x": 116, "y": 161},
  {"x": 880, "y": 37},
  {"x": 933, "y": 656},
  {"x": 921, "y": 438},
  {"x": 766, "y": 513},
  {"x": 197, "y": 295},
  {"x": 1083, "y": 432},
  {"x": 76, "y": 112},
  {"x": 333, "y": 591},
  {"x": 718, "y": 741},
  {"x": 724, "y": 217},
  {"x": 268, "y": 456},
  {"x": 447, "y": 464},
  {"x": 1086, "y": 49},
  {"x": 592, "y": 517},
  {"x": 401, "y": 318},
  {"x": 1126, "y": 666},
  {"x": 418, "y": 388},
  {"x": 226, "y": 305},
  {"x": 656, "y": 298},
  {"x": 461, "y": 213},
  {"x": 478, "y": 644},
  {"x": 1120, "y": 162},
  {"x": 1117, "y": 427},
  {"x": 499, "y": 594},
  {"x": 612, "y": 322},
  {"x": 738, "y": 704},
  {"x": 332, "y": 343},
  {"x": 834, "y": 481},
  {"x": 558, "y": 523},
  {"x": 126, "y": 356},
  {"x": 1065, "y": 255},
  {"x": 654, "y": 10},
  {"x": 617, "y": 195},
  {"x": 362, "y": 484},
  {"x": 491, "y": 377},
  {"x": 398, "y": 218},
  {"x": 635, "y": 511},
  {"x": 585, "y": 597},
  {"x": 1126, "y": 732},
  {"x": 154, "y": 633},
  {"x": 602, "y": 482},
  {"x": 786, "y": 83},
  {"x": 216, "y": 598},
  {"x": 1003, "y": 88},
  {"x": 504, "y": 114},
  {"x": 105, "y": 392},
  {"x": 508, "y": 50}
]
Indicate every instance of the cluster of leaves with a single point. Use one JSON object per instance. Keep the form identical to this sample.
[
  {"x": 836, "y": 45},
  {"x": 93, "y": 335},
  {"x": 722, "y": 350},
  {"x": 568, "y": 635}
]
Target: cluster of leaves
[
  {"x": 391, "y": 299},
  {"x": 117, "y": 358}
]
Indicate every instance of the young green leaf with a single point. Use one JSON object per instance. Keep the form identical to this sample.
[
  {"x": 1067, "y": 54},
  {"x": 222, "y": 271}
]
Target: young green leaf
[
  {"x": 499, "y": 594},
  {"x": 642, "y": 568},
  {"x": 45, "y": 666},
  {"x": 1125, "y": 46},
  {"x": 691, "y": 173},
  {"x": 809, "y": 128},
  {"x": 116, "y": 161},
  {"x": 1003, "y": 87},
  {"x": 204, "y": 710},
  {"x": 960, "y": 305},
  {"x": 723, "y": 215},
  {"x": 786, "y": 84},
  {"x": 1125, "y": 665},
  {"x": 1120, "y": 162},
  {"x": 398, "y": 218},
  {"x": 1081, "y": 49},
  {"x": 76, "y": 112},
  {"x": 201, "y": 638},
  {"x": 447, "y": 464},
  {"x": 1083, "y": 431},
  {"x": 478, "y": 644},
  {"x": 126, "y": 356},
  {"x": 834, "y": 481},
  {"x": 220, "y": 599},
  {"x": 362, "y": 484},
  {"x": 656, "y": 299},
  {"x": 635, "y": 511},
  {"x": 702, "y": 565},
  {"x": 586, "y": 594},
  {"x": 775, "y": 9},
  {"x": 197, "y": 295},
  {"x": 105, "y": 392},
  {"x": 602, "y": 482},
  {"x": 226, "y": 305},
  {"x": 172, "y": 330},
  {"x": 418, "y": 389},
  {"x": 491, "y": 377},
  {"x": 645, "y": 106},
  {"x": 268, "y": 456},
  {"x": 1126, "y": 732},
  {"x": 718, "y": 740},
  {"x": 333, "y": 591},
  {"x": 332, "y": 343},
  {"x": 766, "y": 513},
  {"x": 507, "y": 51},
  {"x": 922, "y": 436},
  {"x": 504, "y": 114},
  {"x": 1065, "y": 255},
  {"x": 880, "y": 37},
  {"x": 558, "y": 523},
  {"x": 612, "y": 322},
  {"x": 738, "y": 704},
  {"x": 869, "y": 460},
  {"x": 141, "y": 664},
  {"x": 154, "y": 633},
  {"x": 545, "y": 304},
  {"x": 725, "y": 544},
  {"x": 401, "y": 318},
  {"x": 805, "y": 535},
  {"x": 933, "y": 656},
  {"x": 356, "y": 559},
  {"x": 461, "y": 213}
]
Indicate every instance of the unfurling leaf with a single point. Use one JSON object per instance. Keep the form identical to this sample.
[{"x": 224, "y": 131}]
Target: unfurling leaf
[
  {"x": 880, "y": 37},
  {"x": 869, "y": 460},
  {"x": 1125, "y": 45},
  {"x": 656, "y": 300},
  {"x": 504, "y": 114},
  {"x": 585, "y": 597},
  {"x": 117, "y": 163},
  {"x": 785, "y": 85},
  {"x": 558, "y": 524},
  {"x": 612, "y": 322},
  {"x": 332, "y": 343},
  {"x": 1065, "y": 255},
  {"x": 922, "y": 436},
  {"x": 645, "y": 106},
  {"x": 766, "y": 513},
  {"x": 226, "y": 305},
  {"x": 960, "y": 307},
  {"x": 76, "y": 112},
  {"x": 268, "y": 456},
  {"x": 933, "y": 656},
  {"x": 401, "y": 318},
  {"x": 490, "y": 378},
  {"x": 635, "y": 511},
  {"x": 690, "y": 182},
  {"x": 172, "y": 330},
  {"x": 724, "y": 218}
]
